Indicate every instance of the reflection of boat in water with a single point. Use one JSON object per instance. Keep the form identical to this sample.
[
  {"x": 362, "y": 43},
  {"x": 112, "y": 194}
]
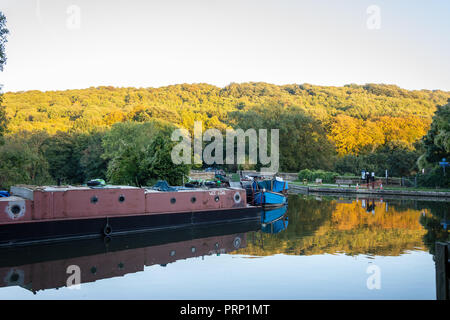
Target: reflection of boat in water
[
  {"x": 274, "y": 221},
  {"x": 46, "y": 266}
]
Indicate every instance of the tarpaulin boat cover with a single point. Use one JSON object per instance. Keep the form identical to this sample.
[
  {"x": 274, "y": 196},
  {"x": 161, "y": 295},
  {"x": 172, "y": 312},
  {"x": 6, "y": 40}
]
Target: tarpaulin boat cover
[
  {"x": 4, "y": 194},
  {"x": 271, "y": 185},
  {"x": 279, "y": 186},
  {"x": 162, "y": 185}
]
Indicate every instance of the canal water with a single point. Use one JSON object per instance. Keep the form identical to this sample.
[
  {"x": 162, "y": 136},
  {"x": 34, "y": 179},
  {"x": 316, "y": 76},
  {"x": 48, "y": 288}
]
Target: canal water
[{"x": 317, "y": 248}]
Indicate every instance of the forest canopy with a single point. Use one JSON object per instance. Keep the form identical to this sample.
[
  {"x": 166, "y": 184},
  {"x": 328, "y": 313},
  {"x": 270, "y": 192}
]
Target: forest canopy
[{"x": 356, "y": 117}]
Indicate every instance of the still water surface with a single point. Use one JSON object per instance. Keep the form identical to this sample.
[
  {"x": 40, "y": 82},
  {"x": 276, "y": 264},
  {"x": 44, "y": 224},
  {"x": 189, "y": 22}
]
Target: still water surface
[{"x": 319, "y": 248}]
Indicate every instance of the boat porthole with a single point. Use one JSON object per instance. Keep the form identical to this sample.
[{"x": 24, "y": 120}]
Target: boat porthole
[
  {"x": 173, "y": 200},
  {"x": 216, "y": 199},
  {"x": 237, "y": 197},
  {"x": 94, "y": 200},
  {"x": 193, "y": 199},
  {"x": 172, "y": 253},
  {"x": 193, "y": 249},
  {"x": 237, "y": 242},
  {"x": 121, "y": 198},
  {"x": 15, "y": 209},
  {"x": 93, "y": 270},
  {"x": 14, "y": 277}
]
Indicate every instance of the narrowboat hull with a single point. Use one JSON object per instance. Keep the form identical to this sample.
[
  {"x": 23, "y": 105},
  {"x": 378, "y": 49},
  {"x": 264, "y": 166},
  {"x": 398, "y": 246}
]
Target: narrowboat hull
[
  {"x": 66, "y": 229},
  {"x": 47, "y": 214}
]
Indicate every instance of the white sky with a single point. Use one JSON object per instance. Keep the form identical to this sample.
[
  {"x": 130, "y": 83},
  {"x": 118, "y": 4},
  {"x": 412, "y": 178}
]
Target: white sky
[{"x": 154, "y": 43}]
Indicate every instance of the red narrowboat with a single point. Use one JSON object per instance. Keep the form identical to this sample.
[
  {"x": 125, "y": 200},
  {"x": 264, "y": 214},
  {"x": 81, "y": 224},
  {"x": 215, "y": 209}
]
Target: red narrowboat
[{"x": 50, "y": 213}]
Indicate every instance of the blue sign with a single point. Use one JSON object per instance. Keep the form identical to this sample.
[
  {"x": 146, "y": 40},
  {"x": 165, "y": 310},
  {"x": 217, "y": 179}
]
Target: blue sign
[{"x": 443, "y": 164}]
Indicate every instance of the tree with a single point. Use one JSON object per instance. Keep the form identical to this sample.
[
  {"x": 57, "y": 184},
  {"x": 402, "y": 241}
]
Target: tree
[
  {"x": 21, "y": 161},
  {"x": 302, "y": 139},
  {"x": 140, "y": 153},
  {"x": 63, "y": 158},
  {"x": 158, "y": 164},
  {"x": 3, "y": 40},
  {"x": 437, "y": 140},
  {"x": 90, "y": 149},
  {"x": 3, "y": 119}
]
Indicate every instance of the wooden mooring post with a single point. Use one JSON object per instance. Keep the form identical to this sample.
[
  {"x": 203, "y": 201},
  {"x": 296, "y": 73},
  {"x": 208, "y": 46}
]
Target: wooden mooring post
[{"x": 442, "y": 271}]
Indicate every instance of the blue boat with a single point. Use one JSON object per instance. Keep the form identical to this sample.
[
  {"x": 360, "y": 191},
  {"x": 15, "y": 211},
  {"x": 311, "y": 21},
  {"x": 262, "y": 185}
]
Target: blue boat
[
  {"x": 274, "y": 221},
  {"x": 270, "y": 193}
]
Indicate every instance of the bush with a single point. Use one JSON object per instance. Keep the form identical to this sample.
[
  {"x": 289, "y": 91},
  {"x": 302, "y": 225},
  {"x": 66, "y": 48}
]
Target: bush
[
  {"x": 434, "y": 178},
  {"x": 312, "y": 175}
]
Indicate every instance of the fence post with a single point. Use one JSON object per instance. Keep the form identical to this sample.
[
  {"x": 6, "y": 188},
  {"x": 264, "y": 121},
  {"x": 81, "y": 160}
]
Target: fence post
[{"x": 442, "y": 271}]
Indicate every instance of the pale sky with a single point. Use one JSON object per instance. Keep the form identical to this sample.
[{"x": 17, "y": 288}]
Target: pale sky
[{"x": 155, "y": 43}]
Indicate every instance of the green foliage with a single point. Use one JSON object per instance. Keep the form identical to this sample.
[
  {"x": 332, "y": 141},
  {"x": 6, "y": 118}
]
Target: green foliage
[
  {"x": 396, "y": 157},
  {"x": 434, "y": 178},
  {"x": 437, "y": 146},
  {"x": 3, "y": 40},
  {"x": 158, "y": 164},
  {"x": 312, "y": 175},
  {"x": 437, "y": 140},
  {"x": 21, "y": 161},
  {"x": 182, "y": 104},
  {"x": 62, "y": 157},
  {"x": 91, "y": 164},
  {"x": 139, "y": 154},
  {"x": 302, "y": 139},
  {"x": 3, "y": 119},
  {"x": 130, "y": 153},
  {"x": 372, "y": 127}
]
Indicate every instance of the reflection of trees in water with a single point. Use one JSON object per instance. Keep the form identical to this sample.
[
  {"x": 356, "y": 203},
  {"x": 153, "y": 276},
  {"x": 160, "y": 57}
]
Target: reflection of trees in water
[
  {"x": 306, "y": 215},
  {"x": 350, "y": 227},
  {"x": 440, "y": 214}
]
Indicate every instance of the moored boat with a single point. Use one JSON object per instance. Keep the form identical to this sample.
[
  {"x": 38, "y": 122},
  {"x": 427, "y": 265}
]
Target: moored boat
[
  {"x": 36, "y": 214},
  {"x": 270, "y": 193}
]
